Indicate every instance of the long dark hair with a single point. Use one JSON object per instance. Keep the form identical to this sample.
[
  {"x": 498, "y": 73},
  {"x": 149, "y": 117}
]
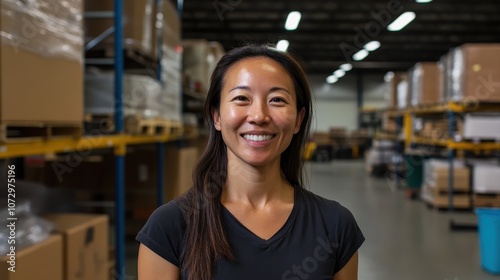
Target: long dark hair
[{"x": 206, "y": 239}]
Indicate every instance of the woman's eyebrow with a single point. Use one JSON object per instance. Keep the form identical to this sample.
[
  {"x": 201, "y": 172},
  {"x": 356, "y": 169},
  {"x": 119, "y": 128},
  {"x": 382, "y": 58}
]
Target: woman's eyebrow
[
  {"x": 240, "y": 87},
  {"x": 271, "y": 90},
  {"x": 279, "y": 88}
]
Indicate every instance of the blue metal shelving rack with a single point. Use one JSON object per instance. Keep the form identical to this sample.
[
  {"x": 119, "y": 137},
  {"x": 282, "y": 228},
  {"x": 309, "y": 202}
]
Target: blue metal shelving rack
[{"x": 120, "y": 152}]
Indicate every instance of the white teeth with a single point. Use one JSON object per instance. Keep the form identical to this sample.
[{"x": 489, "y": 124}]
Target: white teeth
[{"x": 257, "y": 138}]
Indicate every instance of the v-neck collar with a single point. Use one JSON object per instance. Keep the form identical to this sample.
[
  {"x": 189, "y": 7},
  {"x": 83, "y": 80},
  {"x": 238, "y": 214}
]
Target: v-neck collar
[{"x": 236, "y": 224}]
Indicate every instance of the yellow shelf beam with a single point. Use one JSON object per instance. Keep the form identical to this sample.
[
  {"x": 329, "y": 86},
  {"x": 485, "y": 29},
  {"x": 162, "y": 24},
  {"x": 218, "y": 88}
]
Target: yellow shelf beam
[
  {"x": 457, "y": 145},
  {"x": 457, "y": 107},
  {"x": 117, "y": 142}
]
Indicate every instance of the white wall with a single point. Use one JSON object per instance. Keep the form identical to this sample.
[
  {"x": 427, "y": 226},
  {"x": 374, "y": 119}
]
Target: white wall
[{"x": 335, "y": 105}]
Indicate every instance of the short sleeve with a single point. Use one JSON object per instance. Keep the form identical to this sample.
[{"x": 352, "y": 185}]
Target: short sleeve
[
  {"x": 349, "y": 237},
  {"x": 163, "y": 232}
]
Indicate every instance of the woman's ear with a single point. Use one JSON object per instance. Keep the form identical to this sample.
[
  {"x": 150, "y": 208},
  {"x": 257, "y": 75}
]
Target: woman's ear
[
  {"x": 298, "y": 121},
  {"x": 216, "y": 117}
]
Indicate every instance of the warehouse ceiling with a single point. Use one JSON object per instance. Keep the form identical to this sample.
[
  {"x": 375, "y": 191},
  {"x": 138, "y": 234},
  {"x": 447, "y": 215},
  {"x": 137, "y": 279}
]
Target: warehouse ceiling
[{"x": 331, "y": 31}]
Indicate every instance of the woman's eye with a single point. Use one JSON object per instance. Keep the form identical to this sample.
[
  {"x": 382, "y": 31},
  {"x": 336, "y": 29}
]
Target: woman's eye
[
  {"x": 278, "y": 99},
  {"x": 240, "y": 98}
]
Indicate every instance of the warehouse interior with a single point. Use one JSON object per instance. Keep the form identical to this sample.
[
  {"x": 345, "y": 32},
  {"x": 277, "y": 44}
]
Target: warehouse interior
[{"x": 101, "y": 122}]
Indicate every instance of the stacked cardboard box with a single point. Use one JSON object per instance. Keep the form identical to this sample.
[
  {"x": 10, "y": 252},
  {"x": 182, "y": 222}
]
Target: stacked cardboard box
[
  {"x": 437, "y": 128},
  {"x": 77, "y": 250},
  {"x": 475, "y": 72},
  {"x": 338, "y": 136},
  {"x": 436, "y": 189},
  {"x": 392, "y": 81},
  {"x": 137, "y": 28},
  {"x": 50, "y": 58},
  {"x": 482, "y": 126},
  {"x": 425, "y": 84},
  {"x": 199, "y": 59},
  {"x": 403, "y": 99},
  {"x": 85, "y": 241},
  {"x": 147, "y": 29},
  {"x": 322, "y": 138},
  {"x": 43, "y": 260}
]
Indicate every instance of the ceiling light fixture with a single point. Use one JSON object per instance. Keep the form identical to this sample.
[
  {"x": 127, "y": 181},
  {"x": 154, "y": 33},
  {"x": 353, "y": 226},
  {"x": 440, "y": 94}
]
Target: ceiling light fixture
[
  {"x": 282, "y": 45},
  {"x": 331, "y": 79},
  {"x": 371, "y": 46},
  {"x": 360, "y": 55},
  {"x": 339, "y": 73},
  {"x": 389, "y": 76},
  {"x": 401, "y": 21},
  {"x": 423, "y": 1},
  {"x": 292, "y": 21},
  {"x": 346, "y": 67}
]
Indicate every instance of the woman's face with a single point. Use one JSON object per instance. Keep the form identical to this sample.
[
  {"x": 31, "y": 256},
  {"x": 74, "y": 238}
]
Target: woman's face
[{"x": 257, "y": 115}]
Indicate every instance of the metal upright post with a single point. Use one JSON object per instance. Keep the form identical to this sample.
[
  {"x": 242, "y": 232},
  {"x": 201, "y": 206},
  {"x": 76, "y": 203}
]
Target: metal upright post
[
  {"x": 160, "y": 149},
  {"x": 119, "y": 153},
  {"x": 451, "y": 159}
]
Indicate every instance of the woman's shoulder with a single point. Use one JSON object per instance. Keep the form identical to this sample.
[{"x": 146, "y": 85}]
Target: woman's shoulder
[
  {"x": 168, "y": 216},
  {"x": 330, "y": 209},
  {"x": 312, "y": 199}
]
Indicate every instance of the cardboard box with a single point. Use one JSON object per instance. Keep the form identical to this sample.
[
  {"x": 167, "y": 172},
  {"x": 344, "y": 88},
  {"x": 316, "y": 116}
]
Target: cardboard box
[
  {"x": 42, "y": 261},
  {"x": 476, "y": 73},
  {"x": 171, "y": 27},
  {"x": 37, "y": 85},
  {"x": 482, "y": 126},
  {"x": 141, "y": 178},
  {"x": 436, "y": 175},
  {"x": 403, "y": 94},
  {"x": 486, "y": 179},
  {"x": 392, "y": 88},
  {"x": 86, "y": 245},
  {"x": 425, "y": 84},
  {"x": 137, "y": 18}
]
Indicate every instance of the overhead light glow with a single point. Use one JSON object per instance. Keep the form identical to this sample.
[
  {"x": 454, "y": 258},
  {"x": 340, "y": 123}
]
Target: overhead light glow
[
  {"x": 360, "y": 55},
  {"x": 346, "y": 67},
  {"x": 292, "y": 21},
  {"x": 339, "y": 73},
  {"x": 331, "y": 79},
  {"x": 282, "y": 45},
  {"x": 423, "y": 1},
  {"x": 371, "y": 46},
  {"x": 388, "y": 76},
  {"x": 401, "y": 21}
]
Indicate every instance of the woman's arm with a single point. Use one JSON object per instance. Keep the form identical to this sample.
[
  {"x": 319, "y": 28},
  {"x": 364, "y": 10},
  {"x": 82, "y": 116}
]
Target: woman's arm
[
  {"x": 349, "y": 271},
  {"x": 150, "y": 266}
]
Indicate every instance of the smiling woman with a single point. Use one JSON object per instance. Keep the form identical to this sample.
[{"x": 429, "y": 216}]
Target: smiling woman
[{"x": 248, "y": 215}]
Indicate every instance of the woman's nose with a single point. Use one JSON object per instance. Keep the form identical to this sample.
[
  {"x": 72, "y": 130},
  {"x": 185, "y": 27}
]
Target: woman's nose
[{"x": 258, "y": 113}]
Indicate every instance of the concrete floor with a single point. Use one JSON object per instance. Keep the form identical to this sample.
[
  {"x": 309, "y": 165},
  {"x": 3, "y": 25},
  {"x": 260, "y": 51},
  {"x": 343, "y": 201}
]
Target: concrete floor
[{"x": 404, "y": 239}]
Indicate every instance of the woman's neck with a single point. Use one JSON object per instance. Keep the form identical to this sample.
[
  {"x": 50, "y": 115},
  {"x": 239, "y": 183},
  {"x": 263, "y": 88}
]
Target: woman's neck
[{"x": 255, "y": 186}]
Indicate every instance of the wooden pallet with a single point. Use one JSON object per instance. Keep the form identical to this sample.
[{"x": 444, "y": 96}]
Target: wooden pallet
[
  {"x": 486, "y": 200},
  {"x": 96, "y": 124},
  {"x": 133, "y": 53},
  {"x": 14, "y": 132},
  {"x": 138, "y": 126},
  {"x": 440, "y": 200}
]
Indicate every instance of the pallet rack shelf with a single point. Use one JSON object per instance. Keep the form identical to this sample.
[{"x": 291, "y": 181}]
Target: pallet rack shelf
[
  {"x": 449, "y": 110},
  {"x": 118, "y": 141}
]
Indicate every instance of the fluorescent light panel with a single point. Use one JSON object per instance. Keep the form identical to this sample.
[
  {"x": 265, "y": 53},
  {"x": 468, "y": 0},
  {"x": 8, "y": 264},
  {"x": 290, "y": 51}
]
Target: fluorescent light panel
[
  {"x": 282, "y": 45},
  {"x": 331, "y": 79},
  {"x": 292, "y": 21},
  {"x": 346, "y": 67},
  {"x": 360, "y": 55},
  {"x": 371, "y": 46},
  {"x": 423, "y": 1},
  {"x": 401, "y": 21},
  {"x": 339, "y": 73}
]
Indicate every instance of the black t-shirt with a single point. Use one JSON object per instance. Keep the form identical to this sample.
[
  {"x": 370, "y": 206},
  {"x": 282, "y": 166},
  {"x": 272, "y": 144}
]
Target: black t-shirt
[{"x": 317, "y": 240}]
